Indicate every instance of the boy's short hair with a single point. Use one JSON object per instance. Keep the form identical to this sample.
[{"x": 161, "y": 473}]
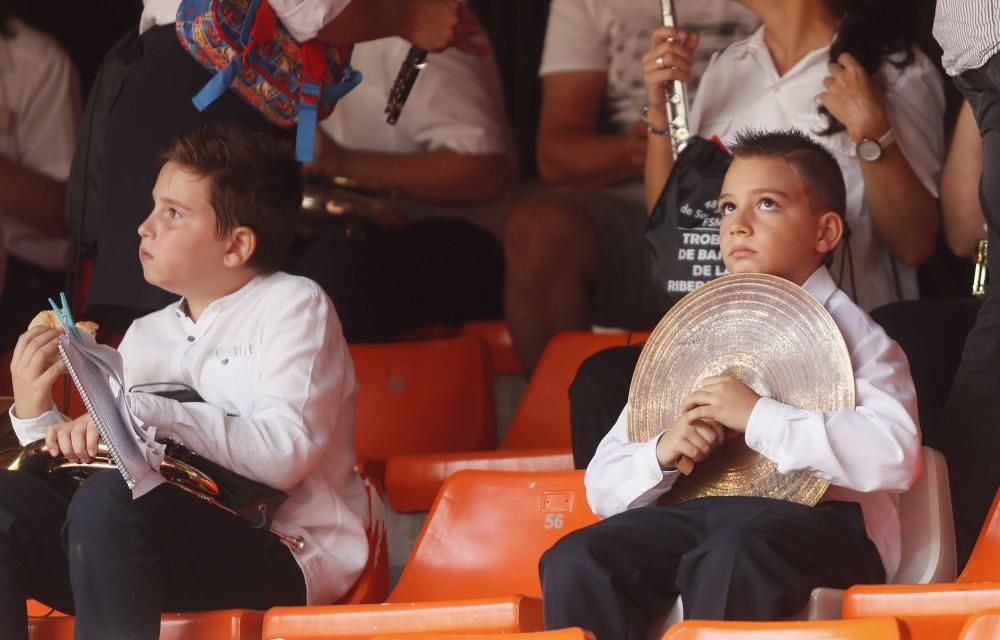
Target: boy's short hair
[
  {"x": 812, "y": 162},
  {"x": 256, "y": 182}
]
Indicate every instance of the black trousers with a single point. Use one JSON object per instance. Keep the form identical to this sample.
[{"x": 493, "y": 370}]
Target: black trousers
[
  {"x": 728, "y": 558},
  {"x": 972, "y": 413},
  {"x": 441, "y": 271},
  {"x": 118, "y": 563}
]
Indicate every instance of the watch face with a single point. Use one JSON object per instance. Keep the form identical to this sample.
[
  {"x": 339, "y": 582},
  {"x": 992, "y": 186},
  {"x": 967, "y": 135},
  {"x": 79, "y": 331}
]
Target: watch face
[{"x": 869, "y": 150}]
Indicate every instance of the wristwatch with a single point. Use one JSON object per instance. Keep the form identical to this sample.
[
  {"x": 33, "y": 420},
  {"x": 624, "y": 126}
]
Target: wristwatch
[{"x": 871, "y": 150}]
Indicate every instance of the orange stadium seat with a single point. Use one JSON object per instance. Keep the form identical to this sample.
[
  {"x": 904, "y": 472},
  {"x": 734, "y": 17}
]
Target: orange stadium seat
[
  {"x": 939, "y": 610},
  {"x": 882, "y": 628},
  {"x": 422, "y": 397},
  {"x": 539, "y": 436},
  {"x": 984, "y": 562},
  {"x": 926, "y": 611},
  {"x": 984, "y": 625},
  {"x": 571, "y": 633},
  {"x": 474, "y": 567},
  {"x": 496, "y": 335},
  {"x": 44, "y": 623}
]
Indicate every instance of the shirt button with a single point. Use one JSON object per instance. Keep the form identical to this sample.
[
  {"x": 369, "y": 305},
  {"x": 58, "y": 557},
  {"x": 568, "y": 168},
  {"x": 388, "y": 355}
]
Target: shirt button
[
  {"x": 656, "y": 476},
  {"x": 190, "y": 338}
]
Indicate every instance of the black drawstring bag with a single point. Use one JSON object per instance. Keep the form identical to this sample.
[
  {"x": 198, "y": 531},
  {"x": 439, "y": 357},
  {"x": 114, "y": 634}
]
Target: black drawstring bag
[{"x": 682, "y": 235}]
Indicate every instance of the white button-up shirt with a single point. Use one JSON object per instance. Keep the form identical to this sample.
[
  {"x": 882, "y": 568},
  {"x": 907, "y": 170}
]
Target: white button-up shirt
[
  {"x": 741, "y": 89},
  {"x": 868, "y": 454},
  {"x": 273, "y": 368},
  {"x": 303, "y": 18}
]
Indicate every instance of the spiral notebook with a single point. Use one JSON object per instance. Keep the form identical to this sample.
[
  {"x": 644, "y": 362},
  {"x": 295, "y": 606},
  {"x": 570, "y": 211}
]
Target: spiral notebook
[{"x": 97, "y": 372}]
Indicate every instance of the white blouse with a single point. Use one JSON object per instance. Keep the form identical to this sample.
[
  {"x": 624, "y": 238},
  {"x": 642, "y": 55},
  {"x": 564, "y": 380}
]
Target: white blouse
[{"x": 741, "y": 89}]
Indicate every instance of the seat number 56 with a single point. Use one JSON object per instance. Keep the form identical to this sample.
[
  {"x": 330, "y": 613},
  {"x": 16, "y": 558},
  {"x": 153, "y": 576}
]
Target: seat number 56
[{"x": 553, "y": 521}]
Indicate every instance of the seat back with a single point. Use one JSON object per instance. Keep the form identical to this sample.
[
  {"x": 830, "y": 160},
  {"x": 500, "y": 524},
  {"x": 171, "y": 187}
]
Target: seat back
[
  {"x": 542, "y": 418},
  {"x": 423, "y": 397},
  {"x": 928, "y": 544},
  {"x": 496, "y": 335},
  {"x": 487, "y": 531},
  {"x": 984, "y": 563},
  {"x": 880, "y": 628},
  {"x": 570, "y": 633},
  {"x": 984, "y": 625}
]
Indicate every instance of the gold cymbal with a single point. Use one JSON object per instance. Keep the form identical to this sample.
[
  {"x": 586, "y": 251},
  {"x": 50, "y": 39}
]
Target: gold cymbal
[{"x": 771, "y": 334}]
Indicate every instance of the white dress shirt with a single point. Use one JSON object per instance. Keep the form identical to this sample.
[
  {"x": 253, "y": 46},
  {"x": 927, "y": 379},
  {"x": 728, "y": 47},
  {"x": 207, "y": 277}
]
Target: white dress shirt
[
  {"x": 741, "y": 89},
  {"x": 456, "y": 103},
  {"x": 303, "y": 18},
  {"x": 273, "y": 368},
  {"x": 868, "y": 454},
  {"x": 39, "y": 116}
]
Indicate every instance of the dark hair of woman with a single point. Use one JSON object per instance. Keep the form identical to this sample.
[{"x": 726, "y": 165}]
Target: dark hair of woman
[{"x": 872, "y": 31}]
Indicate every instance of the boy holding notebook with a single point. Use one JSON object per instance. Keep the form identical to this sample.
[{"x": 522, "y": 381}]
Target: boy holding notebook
[
  {"x": 749, "y": 558},
  {"x": 264, "y": 351}
]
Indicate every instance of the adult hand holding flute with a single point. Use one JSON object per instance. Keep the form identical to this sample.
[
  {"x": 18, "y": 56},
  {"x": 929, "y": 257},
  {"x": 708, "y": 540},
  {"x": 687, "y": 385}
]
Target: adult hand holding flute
[{"x": 669, "y": 59}]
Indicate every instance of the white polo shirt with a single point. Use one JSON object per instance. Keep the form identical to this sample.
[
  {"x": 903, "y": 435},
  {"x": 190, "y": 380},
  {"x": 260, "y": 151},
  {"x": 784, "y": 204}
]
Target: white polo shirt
[
  {"x": 456, "y": 103},
  {"x": 39, "y": 117},
  {"x": 741, "y": 89}
]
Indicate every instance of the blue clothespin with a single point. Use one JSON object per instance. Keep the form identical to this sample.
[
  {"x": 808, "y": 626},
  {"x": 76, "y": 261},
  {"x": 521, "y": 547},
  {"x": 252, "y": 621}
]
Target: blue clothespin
[{"x": 66, "y": 316}]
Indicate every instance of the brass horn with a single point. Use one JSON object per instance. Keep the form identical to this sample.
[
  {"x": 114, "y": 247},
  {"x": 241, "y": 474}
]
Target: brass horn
[{"x": 65, "y": 476}]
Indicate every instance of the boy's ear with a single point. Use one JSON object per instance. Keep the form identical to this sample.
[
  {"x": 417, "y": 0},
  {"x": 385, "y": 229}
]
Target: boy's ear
[
  {"x": 829, "y": 231},
  {"x": 242, "y": 244}
]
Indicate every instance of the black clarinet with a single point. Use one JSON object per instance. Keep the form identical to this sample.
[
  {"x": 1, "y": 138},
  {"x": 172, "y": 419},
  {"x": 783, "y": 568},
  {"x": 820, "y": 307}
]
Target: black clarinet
[{"x": 415, "y": 60}]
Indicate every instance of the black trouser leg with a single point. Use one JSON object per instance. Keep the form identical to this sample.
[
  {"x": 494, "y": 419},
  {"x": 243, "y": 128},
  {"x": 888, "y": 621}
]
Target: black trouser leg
[
  {"x": 972, "y": 414},
  {"x": 130, "y": 560},
  {"x": 728, "y": 558},
  {"x": 597, "y": 396},
  {"x": 32, "y": 562}
]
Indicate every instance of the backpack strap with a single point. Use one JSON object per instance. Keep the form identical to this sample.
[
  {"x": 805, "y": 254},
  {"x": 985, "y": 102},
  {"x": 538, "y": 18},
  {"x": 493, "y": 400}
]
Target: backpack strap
[
  {"x": 313, "y": 67},
  {"x": 259, "y": 24}
]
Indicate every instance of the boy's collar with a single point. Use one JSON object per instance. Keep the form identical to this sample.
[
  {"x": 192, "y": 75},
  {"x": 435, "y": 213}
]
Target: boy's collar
[
  {"x": 219, "y": 304},
  {"x": 820, "y": 284}
]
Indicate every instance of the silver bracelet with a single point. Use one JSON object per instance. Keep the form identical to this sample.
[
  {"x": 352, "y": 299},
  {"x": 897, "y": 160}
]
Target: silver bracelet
[{"x": 650, "y": 128}]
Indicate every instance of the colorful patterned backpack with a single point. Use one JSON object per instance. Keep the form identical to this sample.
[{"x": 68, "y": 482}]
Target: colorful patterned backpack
[{"x": 290, "y": 83}]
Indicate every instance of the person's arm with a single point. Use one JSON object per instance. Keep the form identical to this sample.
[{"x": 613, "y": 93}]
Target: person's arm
[
  {"x": 675, "y": 49},
  {"x": 33, "y": 188},
  {"x": 429, "y": 24},
  {"x": 570, "y": 150},
  {"x": 905, "y": 213},
  {"x": 623, "y": 474},
  {"x": 439, "y": 176},
  {"x": 302, "y": 391},
  {"x": 874, "y": 447},
  {"x": 627, "y": 475},
  {"x": 33, "y": 197},
  {"x": 963, "y": 167}
]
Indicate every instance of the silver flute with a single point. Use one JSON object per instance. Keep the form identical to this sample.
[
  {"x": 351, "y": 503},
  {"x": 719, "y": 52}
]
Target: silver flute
[{"x": 677, "y": 105}]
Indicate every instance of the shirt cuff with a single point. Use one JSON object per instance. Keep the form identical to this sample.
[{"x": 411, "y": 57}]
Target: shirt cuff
[
  {"x": 767, "y": 427},
  {"x": 29, "y": 430},
  {"x": 648, "y": 477}
]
